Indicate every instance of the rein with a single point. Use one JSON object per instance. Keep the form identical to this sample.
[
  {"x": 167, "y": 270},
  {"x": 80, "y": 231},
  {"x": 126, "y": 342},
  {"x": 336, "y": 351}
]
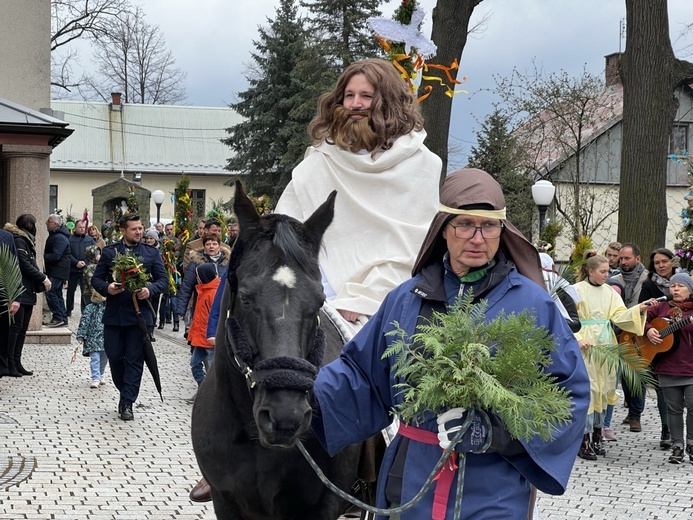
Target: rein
[{"x": 432, "y": 477}]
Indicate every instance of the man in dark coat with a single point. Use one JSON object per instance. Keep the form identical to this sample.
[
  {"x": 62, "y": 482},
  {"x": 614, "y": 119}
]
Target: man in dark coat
[
  {"x": 56, "y": 258},
  {"x": 79, "y": 241},
  {"x": 123, "y": 337},
  {"x": 7, "y": 239}
]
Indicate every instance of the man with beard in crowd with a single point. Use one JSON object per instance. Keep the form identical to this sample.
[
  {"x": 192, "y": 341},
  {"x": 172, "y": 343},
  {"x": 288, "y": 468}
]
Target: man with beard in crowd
[{"x": 633, "y": 274}]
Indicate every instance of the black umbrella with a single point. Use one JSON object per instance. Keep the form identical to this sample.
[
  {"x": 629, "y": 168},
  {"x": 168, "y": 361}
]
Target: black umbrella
[{"x": 149, "y": 356}]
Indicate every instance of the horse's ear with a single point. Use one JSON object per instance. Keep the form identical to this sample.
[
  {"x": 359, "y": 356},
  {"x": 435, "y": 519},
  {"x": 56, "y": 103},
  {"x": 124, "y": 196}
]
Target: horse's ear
[
  {"x": 243, "y": 207},
  {"x": 316, "y": 225}
]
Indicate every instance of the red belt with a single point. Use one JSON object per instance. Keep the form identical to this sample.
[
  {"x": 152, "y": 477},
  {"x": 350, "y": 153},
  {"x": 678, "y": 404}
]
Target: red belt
[{"x": 444, "y": 477}]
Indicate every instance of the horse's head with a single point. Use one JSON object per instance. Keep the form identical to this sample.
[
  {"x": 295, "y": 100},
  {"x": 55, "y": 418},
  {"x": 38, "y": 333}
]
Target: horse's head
[{"x": 274, "y": 330}]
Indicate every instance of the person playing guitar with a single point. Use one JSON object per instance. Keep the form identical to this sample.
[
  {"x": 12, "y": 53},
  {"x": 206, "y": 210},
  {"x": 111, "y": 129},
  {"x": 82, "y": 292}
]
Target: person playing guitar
[{"x": 674, "y": 367}]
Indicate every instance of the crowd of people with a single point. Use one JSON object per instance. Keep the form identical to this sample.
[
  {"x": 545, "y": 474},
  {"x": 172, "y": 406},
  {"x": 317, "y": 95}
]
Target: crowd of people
[
  {"x": 418, "y": 251},
  {"x": 619, "y": 293}
]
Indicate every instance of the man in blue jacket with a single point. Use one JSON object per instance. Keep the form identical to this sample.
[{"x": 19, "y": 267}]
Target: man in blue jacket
[
  {"x": 123, "y": 338},
  {"x": 79, "y": 241},
  {"x": 470, "y": 248},
  {"x": 56, "y": 259}
]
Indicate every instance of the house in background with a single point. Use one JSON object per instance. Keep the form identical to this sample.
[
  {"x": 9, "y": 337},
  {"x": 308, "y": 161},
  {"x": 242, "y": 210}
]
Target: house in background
[
  {"x": 152, "y": 145},
  {"x": 600, "y": 163}
]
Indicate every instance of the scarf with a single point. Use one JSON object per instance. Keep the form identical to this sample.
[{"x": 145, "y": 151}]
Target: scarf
[
  {"x": 676, "y": 309},
  {"x": 631, "y": 279},
  {"x": 661, "y": 283}
]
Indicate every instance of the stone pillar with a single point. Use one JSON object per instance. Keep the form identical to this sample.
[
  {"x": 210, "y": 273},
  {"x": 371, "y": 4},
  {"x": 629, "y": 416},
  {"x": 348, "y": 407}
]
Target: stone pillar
[
  {"x": 25, "y": 52},
  {"x": 28, "y": 167}
]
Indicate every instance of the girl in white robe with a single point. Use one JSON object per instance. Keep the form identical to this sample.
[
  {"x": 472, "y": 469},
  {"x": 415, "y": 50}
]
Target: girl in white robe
[{"x": 600, "y": 306}]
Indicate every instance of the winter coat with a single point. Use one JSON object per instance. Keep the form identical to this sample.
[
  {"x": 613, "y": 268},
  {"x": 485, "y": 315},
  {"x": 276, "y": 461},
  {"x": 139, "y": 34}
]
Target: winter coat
[
  {"x": 56, "y": 255},
  {"x": 78, "y": 249},
  {"x": 678, "y": 360},
  {"x": 90, "y": 330},
  {"x": 197, "y": 335},
  {"x": 196, "y": 246},
  {"x": 356, "y": 395},
  {"x": 190, "y": 280},
  {"x": 120, "y": 311},
  {"x": 32, "y": 277}
]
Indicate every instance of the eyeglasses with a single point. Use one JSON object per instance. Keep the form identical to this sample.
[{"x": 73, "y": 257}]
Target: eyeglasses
[{"x": 469, "y": 230}]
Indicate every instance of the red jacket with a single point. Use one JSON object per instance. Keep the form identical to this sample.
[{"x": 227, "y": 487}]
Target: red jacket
[
  {"x": 678, "y": 361},
  {"x": 197, "y": 335}
]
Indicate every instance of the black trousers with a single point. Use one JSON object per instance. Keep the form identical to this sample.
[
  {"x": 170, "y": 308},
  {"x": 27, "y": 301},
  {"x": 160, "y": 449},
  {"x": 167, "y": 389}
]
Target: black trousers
[
  {"x": 4, "y": 340},
  {"x": 18, "y": 330},
  {"x": 72, "y": 283},
  {"x": 126, "y": 359}
]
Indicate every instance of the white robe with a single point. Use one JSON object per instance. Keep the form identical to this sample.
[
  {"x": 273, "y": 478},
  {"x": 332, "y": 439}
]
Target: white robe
[
  {"x": 602, "y": 304},
  {"x": 383, "y": 209}
]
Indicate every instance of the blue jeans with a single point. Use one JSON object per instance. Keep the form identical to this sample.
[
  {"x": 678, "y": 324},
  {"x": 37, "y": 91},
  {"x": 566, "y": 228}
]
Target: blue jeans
[
  {"x": 97, "y": 362},
  {"x": 55, "y": 300},
  {"x": 198, "y": 356}
]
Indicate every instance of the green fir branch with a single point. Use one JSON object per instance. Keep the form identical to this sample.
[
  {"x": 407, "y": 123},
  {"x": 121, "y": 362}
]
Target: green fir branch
[
  {"x": 10, "y": 280},
  {"x": 456, "y": 359}
]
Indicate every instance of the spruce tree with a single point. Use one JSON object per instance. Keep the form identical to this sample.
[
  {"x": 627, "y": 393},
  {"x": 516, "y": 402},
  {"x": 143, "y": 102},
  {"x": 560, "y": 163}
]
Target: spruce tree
[
  {"x": 341, "y": 30},
  {"x": 260, "y": 142},
  {"x": 497, "y": 154}
]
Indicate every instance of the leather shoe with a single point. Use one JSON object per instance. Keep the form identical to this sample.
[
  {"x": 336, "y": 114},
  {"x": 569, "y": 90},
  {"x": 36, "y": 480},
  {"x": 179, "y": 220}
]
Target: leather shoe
[
  {"x": 626, "y": 420},
  {"x": 126, "y": 412},
  {"x": 635, "y": 425},
  {"x": 201, "y": 492},
  {"x": 175, "y": 327},
  {"x": 161, "y": 325}
]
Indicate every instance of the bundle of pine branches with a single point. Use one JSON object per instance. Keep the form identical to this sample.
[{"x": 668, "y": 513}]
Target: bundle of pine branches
[
  {"x": 457, "y": 359},
  {"x": 129, "y": 270}
]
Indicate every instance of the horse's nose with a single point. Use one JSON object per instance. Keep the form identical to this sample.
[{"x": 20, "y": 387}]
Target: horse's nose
[{"x": 282, "y": 422}]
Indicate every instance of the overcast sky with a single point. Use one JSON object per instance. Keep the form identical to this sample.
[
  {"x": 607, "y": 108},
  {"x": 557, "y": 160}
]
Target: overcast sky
[{"x": 212, "y": 40}]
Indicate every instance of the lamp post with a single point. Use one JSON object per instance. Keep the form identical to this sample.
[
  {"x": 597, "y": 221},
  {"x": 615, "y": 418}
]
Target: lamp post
[
  {"x": 542, "y": 193},
  {"x": 158, "y": 198}
]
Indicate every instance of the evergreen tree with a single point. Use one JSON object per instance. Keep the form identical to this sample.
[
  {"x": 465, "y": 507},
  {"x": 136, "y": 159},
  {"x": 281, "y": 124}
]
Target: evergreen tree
[
  {"x": 341, "y": 30},
  {"x": 497, "y": 154},
  {"x": 260, "y": 142}
]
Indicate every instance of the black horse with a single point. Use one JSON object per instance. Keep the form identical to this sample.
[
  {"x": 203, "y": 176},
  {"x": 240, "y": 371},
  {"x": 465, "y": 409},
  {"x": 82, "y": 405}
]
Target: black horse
[{"x": 254, "y": 405}]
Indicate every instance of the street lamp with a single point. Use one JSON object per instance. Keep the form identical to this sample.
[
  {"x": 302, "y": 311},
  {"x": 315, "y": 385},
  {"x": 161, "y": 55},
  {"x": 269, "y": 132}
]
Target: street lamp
[
  {"x": 542, "y": 193},
  {"x": 158, "y": 198}
]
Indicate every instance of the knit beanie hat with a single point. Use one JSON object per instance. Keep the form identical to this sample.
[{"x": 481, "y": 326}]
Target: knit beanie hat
[
  {"x": 151, "y": 233},
  {"x": 684, "y": 279},
  {"x": 206, "y": 272}
]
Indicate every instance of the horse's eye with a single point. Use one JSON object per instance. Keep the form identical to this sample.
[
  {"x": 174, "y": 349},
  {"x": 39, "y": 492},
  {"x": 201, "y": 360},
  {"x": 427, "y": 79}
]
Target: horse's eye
[{"x": 244, "y": 299}]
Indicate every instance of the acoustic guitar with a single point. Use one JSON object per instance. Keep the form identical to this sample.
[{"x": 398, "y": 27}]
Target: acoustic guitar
[{"x": 645, "y": 347}]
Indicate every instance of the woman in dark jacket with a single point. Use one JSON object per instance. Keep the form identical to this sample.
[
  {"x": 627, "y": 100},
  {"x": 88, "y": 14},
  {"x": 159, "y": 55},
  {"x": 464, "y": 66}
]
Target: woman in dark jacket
[
  {"x": 33, "y": 280},
  {"x": 661, "y": 269},
  {"x": 674, "y": 367}
]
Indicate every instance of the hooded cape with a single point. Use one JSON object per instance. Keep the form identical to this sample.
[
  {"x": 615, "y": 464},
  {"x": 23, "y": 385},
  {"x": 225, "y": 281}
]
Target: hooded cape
[{"x": 470, "y": 186}]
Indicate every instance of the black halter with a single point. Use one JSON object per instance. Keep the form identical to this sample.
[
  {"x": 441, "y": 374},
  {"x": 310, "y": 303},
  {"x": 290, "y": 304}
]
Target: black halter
[{"x": 282, "y": 372}]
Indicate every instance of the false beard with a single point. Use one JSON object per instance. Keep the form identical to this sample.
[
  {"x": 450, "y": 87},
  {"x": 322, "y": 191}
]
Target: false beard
[{"x": 353, "y": 134}]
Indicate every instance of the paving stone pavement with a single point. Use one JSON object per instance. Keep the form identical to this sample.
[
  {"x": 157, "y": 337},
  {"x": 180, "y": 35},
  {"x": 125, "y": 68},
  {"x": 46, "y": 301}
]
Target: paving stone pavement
[{"x": 65, "y": 455}]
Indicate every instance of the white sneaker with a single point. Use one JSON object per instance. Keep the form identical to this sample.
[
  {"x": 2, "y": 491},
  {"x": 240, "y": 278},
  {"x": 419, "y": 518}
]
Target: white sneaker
[
  {"x": 95, "y": 383},
  {"x": 103, "y": 382}
]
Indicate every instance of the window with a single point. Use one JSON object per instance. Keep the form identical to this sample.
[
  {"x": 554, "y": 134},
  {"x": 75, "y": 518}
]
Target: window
[
  {"x": 678, "y": 142},
  {"x": 197, "y": 199},
  {"x": 52, "y": 198}
]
